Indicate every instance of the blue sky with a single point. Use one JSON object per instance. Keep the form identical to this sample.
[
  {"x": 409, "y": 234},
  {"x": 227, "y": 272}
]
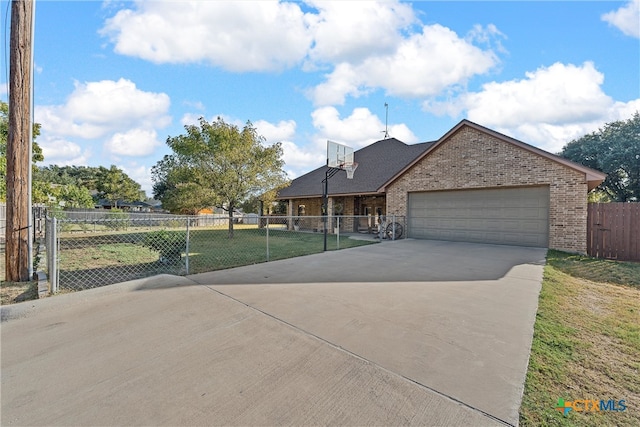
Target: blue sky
[{"x": 114, "y": 79}]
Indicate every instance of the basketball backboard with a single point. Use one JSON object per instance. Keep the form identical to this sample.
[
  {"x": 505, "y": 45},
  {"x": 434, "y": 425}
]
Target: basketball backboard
[{"x": 338, "y": 155}]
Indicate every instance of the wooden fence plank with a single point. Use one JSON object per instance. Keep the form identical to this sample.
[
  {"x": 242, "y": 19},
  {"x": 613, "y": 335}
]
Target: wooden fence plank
[
  {"x": 625, "y": 247},
  {"x": 613, "y": 231},
  {"x": 634, "y": 234}
]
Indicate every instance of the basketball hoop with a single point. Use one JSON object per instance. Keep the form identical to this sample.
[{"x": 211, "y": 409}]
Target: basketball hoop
[{"x": 350, "y": 168}]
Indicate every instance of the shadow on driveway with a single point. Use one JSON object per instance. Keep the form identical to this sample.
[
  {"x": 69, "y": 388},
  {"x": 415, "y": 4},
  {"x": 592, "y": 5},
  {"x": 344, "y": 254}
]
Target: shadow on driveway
[{"x": 398, "y": 261}]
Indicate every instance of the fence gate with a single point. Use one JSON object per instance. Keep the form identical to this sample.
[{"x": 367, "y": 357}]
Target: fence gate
[{"x": 613, "y": 231}]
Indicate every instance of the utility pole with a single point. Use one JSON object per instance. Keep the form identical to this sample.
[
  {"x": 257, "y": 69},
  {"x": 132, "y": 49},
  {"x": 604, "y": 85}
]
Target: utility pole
[{"x": 18, "y": 233}]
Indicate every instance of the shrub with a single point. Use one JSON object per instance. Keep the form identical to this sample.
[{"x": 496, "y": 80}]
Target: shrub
[
  {"x": 117, "y": 220},
  {"x": 170, "y": 244},
  {"x": 173, "y": 223}
]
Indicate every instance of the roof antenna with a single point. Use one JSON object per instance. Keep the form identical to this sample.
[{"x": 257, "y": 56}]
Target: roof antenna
[{"x": 386, "y": 121}]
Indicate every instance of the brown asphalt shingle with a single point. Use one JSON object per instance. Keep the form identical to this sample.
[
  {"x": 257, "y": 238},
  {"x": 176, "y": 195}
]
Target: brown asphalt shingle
[{"x": 377, "y": 163}]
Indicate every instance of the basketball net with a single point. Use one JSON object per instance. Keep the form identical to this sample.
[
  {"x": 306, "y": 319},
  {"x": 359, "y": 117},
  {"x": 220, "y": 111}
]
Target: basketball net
[{"x": 350, "y": 168}]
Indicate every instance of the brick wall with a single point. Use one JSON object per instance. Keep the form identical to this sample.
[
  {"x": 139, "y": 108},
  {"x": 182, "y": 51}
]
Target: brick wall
[
  {"x": 313, "y": 207},
  {"x": 473, "y": 159}
]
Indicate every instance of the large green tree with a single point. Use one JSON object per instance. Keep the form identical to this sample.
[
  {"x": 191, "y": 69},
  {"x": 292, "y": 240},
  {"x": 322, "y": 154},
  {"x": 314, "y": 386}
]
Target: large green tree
[
  {"x": 73, "y": 196},
  {"x": 73, "y": 185},
  {"x": 614, "y": 150},
  {"x": 217, "y": 164},
  {"x": 115, "y": 185},
  {"x": 36, "y": 155},
  {"x": 82, "y": 176}
]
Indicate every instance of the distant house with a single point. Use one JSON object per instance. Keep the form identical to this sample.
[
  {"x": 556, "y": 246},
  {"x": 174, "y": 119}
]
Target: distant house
[
  {"x": 125, "y": 206},
  {"x": 473, "y": 184}
]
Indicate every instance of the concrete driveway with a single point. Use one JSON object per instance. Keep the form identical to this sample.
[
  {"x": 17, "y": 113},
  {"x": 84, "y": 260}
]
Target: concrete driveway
[{"x": 406, "y": 332}]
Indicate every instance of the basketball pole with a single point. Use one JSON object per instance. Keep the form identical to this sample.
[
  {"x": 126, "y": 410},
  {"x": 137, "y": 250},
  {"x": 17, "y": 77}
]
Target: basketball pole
[{"x": 325, "y": 201}]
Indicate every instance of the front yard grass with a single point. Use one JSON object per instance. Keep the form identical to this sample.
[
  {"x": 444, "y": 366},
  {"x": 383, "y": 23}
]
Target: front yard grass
[
  {"x": 88, "y": 261},
  {"x": 586, "y": 342}
]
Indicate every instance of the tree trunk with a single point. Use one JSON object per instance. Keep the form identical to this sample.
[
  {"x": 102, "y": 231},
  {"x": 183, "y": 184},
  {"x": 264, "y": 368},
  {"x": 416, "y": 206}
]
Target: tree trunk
[
  {"x": 18, "y": 144},
  {"x": 231, "y": 209}
]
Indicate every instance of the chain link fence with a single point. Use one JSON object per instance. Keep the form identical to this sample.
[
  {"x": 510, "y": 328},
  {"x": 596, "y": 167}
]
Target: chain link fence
[
  {"x": 3, "y": 233},
  {"x": 91, "y": 251},
  {"x": 37, "y": 226}
]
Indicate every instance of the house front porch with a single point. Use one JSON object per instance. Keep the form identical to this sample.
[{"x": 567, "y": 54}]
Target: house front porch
[{"x": 354, "y": 213}]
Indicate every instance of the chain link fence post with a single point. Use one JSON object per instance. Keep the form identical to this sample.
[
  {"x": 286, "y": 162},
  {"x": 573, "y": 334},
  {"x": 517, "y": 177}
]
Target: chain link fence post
[
  {"x": 267, "y": 234},
  {"x": 338, "y": 232},
  {"x": 186, "y": 258},
  {"x": 53, "y": 268}
]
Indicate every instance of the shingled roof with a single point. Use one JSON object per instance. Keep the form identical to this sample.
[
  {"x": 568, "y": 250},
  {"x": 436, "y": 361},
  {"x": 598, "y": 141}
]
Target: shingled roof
[{"x": 377, "y": 163}]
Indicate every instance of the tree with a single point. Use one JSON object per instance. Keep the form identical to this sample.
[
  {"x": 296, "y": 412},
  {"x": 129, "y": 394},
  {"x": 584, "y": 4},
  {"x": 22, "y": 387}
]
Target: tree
[
  {"x": 36, "y": 154},
  {"x": 614, "y": 150},
  {"x": 217, "y": 164},
  {"x": 82, "y": 176},
  {"x": 81, "y": 181},
  {"x": 73, "y": 196},
  {"x": 113, "y": 184}
]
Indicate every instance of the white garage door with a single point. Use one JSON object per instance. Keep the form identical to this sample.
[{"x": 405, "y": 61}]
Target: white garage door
[{"x": 505, "y": 216}]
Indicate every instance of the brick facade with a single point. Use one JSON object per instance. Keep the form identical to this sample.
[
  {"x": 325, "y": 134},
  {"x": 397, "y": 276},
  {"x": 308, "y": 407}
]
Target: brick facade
[{"x": 471, "y": 159}]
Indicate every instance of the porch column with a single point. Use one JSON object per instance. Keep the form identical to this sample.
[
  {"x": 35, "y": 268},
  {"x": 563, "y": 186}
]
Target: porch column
[{"x": 290, "y": 215}]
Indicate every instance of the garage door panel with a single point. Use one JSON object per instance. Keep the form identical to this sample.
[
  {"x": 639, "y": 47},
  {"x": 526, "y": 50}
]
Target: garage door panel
[
  {"x": 503, "y": 226},
  {"x": 514, "y": 216}
]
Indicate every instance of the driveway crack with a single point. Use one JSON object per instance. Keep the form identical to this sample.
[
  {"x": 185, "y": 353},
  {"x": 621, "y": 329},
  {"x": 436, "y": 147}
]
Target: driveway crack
[{"x": 359, "y": 357}]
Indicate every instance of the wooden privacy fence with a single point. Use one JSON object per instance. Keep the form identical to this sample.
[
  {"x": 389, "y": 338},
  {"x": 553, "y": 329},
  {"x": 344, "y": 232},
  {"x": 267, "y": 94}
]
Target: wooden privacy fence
[{"x": 613, "y": 231}]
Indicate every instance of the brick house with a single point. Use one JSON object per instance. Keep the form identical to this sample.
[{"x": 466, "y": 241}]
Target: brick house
[{"x": 473, "y": 184}]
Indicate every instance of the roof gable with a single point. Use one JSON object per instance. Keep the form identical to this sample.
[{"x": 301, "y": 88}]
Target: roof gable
[{"x": 592, "y": 176}]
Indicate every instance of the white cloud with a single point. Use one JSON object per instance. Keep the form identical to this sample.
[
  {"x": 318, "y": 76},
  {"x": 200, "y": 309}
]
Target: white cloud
[
  {"x": 190, "y": 119},
  {"x": 284, "y": 130},
  {"x": 95, "y": 109},
  {"x": 257, "y": 36},
  {"x": 297, "y": 159},
  {"x": 300, "y": 160},
  {"x": 366, "y": 45},
  {"x": 548, "y": 108},
  {"x": 490, "y": 36},
  {"x": 135, "y": 142},
  {"x": 140, "y": 174},
  {"x": 626, "y": 18},
  {"x": 354, "y": 30},
  {"x": 359, "y": 129},
  {"x": 237, "y": 36},
  {"x": 114, "y": 113},
  {"x": 422, "y": 65},
  {"x": 555, "y": 94},
  {"x": 62, "y": 152}
]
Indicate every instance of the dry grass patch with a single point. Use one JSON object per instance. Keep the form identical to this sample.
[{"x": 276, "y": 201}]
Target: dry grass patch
[
  {"x": 586, "y": 342},
  {"x": 13, "y": 292}
]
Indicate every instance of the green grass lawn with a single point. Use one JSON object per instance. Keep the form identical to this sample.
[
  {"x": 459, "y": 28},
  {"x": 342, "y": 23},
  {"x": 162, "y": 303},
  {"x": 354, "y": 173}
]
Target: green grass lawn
[
  {"x": 586, "y": 342},
  {"x": 88, "y": 260}
]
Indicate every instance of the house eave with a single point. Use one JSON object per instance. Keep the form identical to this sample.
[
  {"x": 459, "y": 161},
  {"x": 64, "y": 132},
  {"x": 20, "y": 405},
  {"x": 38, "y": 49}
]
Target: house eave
[{"x": 315, "y": 196}]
